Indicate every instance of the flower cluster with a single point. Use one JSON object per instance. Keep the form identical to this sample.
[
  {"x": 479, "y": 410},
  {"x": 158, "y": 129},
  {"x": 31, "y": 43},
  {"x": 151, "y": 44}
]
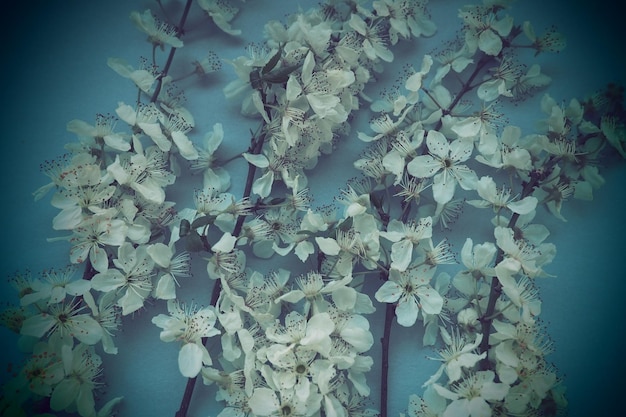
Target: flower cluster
[
  {"x": 60, "y": 323},
  {"x": 429, "y": 148},
  {"x": 295, "y": 342}
]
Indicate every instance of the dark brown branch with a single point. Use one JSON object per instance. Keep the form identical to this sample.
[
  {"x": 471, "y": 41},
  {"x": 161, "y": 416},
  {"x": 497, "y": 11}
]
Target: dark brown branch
[
  {"x": 384, "y": 377},
  {"x": 496, "y": 288},
  {"x": 255, "y": 147}
]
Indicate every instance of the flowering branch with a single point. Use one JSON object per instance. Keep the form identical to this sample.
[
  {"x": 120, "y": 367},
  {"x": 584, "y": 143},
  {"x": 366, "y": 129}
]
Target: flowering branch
[
  {"x": 296, "y": 341},
  {"x": 170, "y": 57}
]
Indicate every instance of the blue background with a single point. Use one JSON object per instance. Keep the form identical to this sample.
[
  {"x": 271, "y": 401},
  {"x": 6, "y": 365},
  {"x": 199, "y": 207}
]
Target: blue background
[{"x": 55, "y": 70}]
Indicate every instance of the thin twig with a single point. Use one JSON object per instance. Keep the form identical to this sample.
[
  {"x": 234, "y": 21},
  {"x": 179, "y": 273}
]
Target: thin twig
[{"x": 170, "y": 57}]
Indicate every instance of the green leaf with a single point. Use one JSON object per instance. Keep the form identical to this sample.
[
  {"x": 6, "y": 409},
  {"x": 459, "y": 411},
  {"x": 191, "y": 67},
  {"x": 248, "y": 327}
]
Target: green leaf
[
  {"x": 255, "y": 80},
  {"x": 272, "y": 61},
  {"x": 194, "y": 243},
  {"x": 203, "y": 221},
  {"x": 185, "y": 227},
  {"x": 345, "y": 225},
  {"x": 276, "y": 201},
  {"x": 279, "y": 76},
  {"x": 376, "y": 201}
]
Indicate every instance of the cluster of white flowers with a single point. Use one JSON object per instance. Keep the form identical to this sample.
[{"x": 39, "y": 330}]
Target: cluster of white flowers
[{"x": 296, "y": 343}]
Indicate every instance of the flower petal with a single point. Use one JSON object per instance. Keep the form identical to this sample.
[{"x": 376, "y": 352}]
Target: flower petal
[
  {"x": 85, "y": 329},
  {"x": 328, "y": 246},
  {"x": 424, "y": 166},
  {"x": 64, "y": 394},
  {"x": 185, "y": 146},
  {"x": 524, "y": 206},
  {"x": 406, "y": 311},
  {"x": 489, "y": 42},
  {"x": 263, "y": 402},
  {"x": 389, "y": 292},
  {"x": 401, "y": 254},
  {"x": 190, "y": 360},
  {"x": 431, "y": 300}
]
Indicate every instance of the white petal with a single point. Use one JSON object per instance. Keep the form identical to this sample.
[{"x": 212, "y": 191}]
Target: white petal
[
  {"x": 414, "y": 82},
  {"x": 307, "y": 68},
  {"x": 130, "y": 302},
  {"x": 466, "y": 253},
  {"x": 118, "y": 172},
  {"x": 461, "y": 149},
  {"x": 126, "y": 113},
  {"x": 524, "y": 206},
  {"x": 389, "y": 292},
  {"x": 225, "y": 244},
  {"x": 263, "y": 185},
  {"x": 150, "y": 190},
  {"x": 160, "y": 253},
  {"x": 361, "y": 339},
  {"x": 345, "y": 298},
  {"x": 143, "y": 79},
  {"x": 401, "y": 254},
  {"x": 98, "y": 258},
  {"x": 120, "y": 66},
  {"x": 358, "y": 24},
  {"x": 81, "y": 128},
  {"x": 318, "y": 330},
  {"x": 423, "y": 166},
  {"x": 406, "y": 312},
  {"x": 505, "y": 271},
  {"x": 165, "y": 288},
  {"x": 85, "y": 402},
  {"x": 437, "y": 143},
  {"x": 486, "y": 188},
  {"x": 489, "y": 42},
  {"x": 466, "y": 178},
  {"x": 37, "y": 325},
  {"x": 431, "y": 300},
  {"x": 491, "y": 90},
  {"x": 478, "y": 407},
  {"x": 323, "y": 104},
  {"x": 444, "y": 186},
  {"x": 467, "y": 128},
  {"x": 506, "y": 355},
  {"x": 190, "y": 360},
  {"x": 185, "y": 146},
  {"x": 64, "y": 394},
  {"x": 156, "y": 134},
  {"x": 85, "y": 329},
  {"x": 303, "y": 250},
  {"x": 328, "y": 245},
  {"x": 293, "y": 88},
  {"x": 258, "y": 160},
  {"x": 495, "y": 391},
  {"x": 108, "y": 280},
  {"x": 394, "y": 162},
  {"x": 68, "y": 218},
  {"x": 263, "y": 402},
  {"x": 117, "y": 142}
]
